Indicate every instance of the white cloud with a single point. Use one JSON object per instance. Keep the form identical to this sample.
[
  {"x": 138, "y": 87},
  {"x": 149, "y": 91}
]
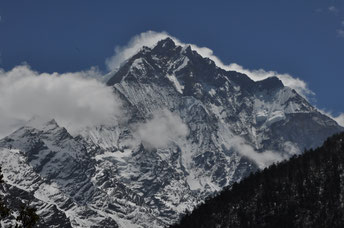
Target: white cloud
[
  {"x": 291, "y": 149},
  {"x": 288, "y": 80},
  {"x": 257, "y": 75},
  {"x": 262, "y": 159},
  {"x": 73, "y": 99},
  {"x": 339, "y": 118},
  {"x": 150, "y": 38},
  {"x": 340, "y": 32},
  {"x": 333, "y": 9},
  {"x": 163, "y": 128}
]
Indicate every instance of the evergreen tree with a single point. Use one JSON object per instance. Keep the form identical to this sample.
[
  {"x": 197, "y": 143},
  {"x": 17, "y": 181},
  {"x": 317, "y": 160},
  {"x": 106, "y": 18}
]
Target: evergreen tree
[
  {"x": 4, "y": 211},
  {"x": 306, "y": 191},
  {"x": 27, "y": 215}
]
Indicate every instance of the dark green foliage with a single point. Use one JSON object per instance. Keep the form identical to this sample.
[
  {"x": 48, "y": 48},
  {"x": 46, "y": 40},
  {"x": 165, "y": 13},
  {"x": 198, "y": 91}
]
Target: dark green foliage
[
  {"x": 305, "y": 191},
  {"x": 27, "y": 217},
  {"x": 4, "y": 211},
  {"x": 1, "y": 176}
]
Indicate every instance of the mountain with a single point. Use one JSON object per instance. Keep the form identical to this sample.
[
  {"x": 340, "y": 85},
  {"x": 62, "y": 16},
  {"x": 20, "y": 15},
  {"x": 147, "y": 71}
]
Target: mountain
[
  {"x": 174, "y": 77},
  {"x": 15, "y": 212},
  {"x": 55, "y": 169},
  {"x": 306, "y": 191},
  {"x": 189, "y": 129}
]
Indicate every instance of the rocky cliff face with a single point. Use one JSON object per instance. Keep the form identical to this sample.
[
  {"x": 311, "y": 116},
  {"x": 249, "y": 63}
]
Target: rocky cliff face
[{"x": 111, "y": 175}]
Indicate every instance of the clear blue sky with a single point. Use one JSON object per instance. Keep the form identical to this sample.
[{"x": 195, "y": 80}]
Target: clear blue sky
[{"x": 302, "y": 38}]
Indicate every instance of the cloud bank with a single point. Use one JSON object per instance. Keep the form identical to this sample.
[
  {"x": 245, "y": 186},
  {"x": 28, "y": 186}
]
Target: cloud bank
[
  {"x": 163, "y": 128},
  {"x": 74, "y": 100},
  {"x": 288, "y": 80},
  {"x": 339, "y": 118},
  {"x": 150, "y": 38},
  {"x": 262, "y": 159}
]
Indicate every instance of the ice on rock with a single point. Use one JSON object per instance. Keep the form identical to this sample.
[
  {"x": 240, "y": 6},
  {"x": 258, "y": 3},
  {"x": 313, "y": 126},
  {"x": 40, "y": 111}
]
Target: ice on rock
[
  {"x": 261, "y": 116},
  {"x": 176, "y": 83},
  {"x": 275, "y": 117}
]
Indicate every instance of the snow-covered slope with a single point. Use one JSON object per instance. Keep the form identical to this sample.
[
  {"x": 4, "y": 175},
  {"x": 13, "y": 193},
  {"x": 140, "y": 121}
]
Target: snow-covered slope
[{"x": 117, "y": 175}]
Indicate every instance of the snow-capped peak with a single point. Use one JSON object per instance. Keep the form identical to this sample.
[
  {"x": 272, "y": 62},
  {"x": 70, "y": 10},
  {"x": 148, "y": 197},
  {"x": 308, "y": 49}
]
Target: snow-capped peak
[{"x": 111, "y": 175}]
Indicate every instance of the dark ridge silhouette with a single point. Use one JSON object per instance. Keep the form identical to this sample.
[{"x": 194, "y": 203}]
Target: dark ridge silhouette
[{"x": 305, "y": 191}]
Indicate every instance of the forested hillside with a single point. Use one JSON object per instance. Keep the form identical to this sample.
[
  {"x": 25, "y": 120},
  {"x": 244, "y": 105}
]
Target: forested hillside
[{"x": 305, "y": 191}]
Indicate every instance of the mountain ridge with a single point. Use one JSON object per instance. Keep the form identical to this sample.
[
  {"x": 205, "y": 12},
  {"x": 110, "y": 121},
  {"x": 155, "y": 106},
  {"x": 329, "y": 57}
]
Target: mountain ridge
[{"x": 114, "y": 175}]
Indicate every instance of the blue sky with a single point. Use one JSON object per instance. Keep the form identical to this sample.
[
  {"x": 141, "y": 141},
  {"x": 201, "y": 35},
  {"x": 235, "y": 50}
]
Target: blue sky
[{"x": 302, "y": 38}]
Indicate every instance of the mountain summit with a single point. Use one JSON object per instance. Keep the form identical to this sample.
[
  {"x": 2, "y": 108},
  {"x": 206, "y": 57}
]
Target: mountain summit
[
  {"x": 232, "y": 97},
  {"x": 191, "y": 128}
]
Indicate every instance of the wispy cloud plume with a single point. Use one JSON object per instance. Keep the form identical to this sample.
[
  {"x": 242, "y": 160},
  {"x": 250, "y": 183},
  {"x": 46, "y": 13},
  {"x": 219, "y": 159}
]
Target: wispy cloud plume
[
  {"x": 261, "y": 159},
  {"x": 163, "y": 128},
  {"x": 333, "y": 9},
  {"x": 293, "y": 82},
  {"x": 338, "y": 118},
  {"x": 74, "y": 99},
  {"x": 150, "y": 38},
  {"x": 340, "y": 32}
]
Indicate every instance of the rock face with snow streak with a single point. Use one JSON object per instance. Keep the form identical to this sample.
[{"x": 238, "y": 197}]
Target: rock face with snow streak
[
  {"x": 265, "y": 113},
  {"x": 56, "y": 169},
  {"x": 111, "y": 176}
]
